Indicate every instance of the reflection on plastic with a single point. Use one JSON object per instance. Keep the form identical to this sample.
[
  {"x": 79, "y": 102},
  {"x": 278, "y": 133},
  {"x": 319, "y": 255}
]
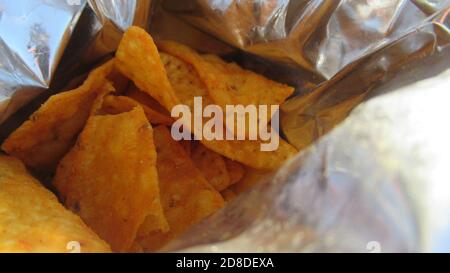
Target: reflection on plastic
[
  {"x": 377, "y": 183},
  {"x": 34, "y": 35},
  {"x": 320, "y": 35}
]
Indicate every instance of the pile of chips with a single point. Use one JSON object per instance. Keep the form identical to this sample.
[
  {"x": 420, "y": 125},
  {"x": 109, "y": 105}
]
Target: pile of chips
[{"x": 115, "y": 162}]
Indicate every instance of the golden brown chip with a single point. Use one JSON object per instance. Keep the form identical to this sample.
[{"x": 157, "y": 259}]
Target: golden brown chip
[
  {"x": 235, "y": 170},
  {"x": 186, "y": 196},
  {"x": 119, "y": 104},
  {"x": 227, "y": 83},
  {"x": 137, "y": 58},
  {"x": 50, "y": 132},
  {"x": 185, "y": 80},
  {"x": 32, "y": 220},
  {"x": 187, "y": 85},
  {"x": 109, "y": 178},
  {"x": 248, "y": 152},
  {"x": 212, "y": 166}
]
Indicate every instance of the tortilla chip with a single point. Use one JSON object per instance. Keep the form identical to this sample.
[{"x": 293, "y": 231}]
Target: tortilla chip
[
  {"x": 251, "y": 178},
  {"x": 212, "y": 166},
  {"x": 138, "y": 59},
  {"x": 119, "y": 104},
  {"x": 228, "y": 195},
  {"x": 227, "y": 83},
  {"x": 186, "y": 196},
  {"x": 187, "y": 85},
  {"x": 32, "y": 220},
  {"x": 249, "y": 152},
  {"x": 185, "y": 80},
  {"x": 109, "y": 178},
  {"x": 235, "y": 170},
  {"x": 50, "y": 132}
]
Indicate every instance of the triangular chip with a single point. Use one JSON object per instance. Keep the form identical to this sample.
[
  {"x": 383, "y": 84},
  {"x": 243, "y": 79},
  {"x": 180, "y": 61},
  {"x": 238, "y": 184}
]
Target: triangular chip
[
  {"x": 185, "y": 80},
  {"x": 248, "y": 152},
  {"x": 137, "y": 58},
  {"x": 227, "y": 83},
  {"x": 109, "y": 178},
  {"x": 187, "y": 85},
  {"x": 50, "y": 132},
  {"x": 186, "y": 196},
  {"x": 32, "y": 219}
]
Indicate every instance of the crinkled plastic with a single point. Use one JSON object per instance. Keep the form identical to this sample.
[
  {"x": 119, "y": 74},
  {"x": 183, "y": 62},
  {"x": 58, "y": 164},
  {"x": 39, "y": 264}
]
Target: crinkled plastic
[
  {"x": 377, "y": 182},
  {"x": 45, "y": 40},
  {"x": 320, "y": 35}
]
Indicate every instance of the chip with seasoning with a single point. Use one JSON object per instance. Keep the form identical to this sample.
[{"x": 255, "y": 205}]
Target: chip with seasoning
[
  {"x": 118, "y": 168},
  {"x": 181, "y": 85},
  {"x": 137, "y": 58},
  {"x": 187, "y": 85},
  {"x": 32, "y": 219},
  {"x": 109, "y": 177},
  {"x": 227, "y": 83},
  {"x": 50, "y": 132},
  {"x": 186, "y": 196}
]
